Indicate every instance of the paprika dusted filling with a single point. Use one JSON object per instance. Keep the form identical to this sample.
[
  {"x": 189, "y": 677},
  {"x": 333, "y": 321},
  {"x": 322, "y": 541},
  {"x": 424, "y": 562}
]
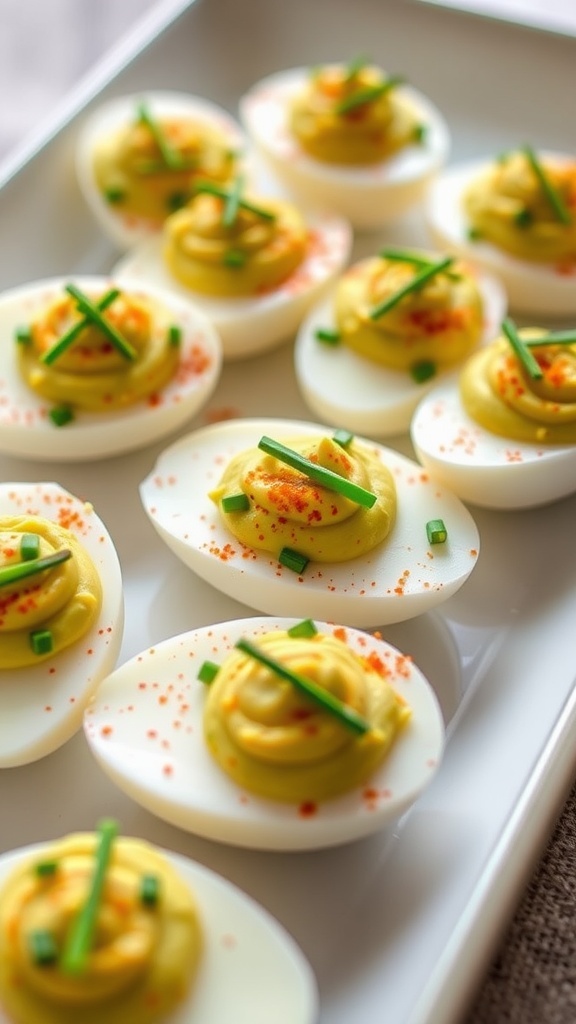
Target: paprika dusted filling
[
  {"x": 50, "y": 590},
  {"x": 285, "y": 508},
  {"x": 385, "y": 315},
  {"x": 274, "y": 740},
  {"x": 499, "y": 393}
]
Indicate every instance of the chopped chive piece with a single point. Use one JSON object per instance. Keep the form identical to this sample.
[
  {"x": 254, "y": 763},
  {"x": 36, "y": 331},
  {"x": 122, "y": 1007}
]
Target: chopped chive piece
[
  {"x": 92, "y": 312},
  {"x": 234, "y": 258},
  {"x": 420, "y": 132},
  {"x": 171, "y": 157},
  {"x": 46, "y": 868},
  {"x": 553, "y": 338},
  {"x": 417, "y": 281},
  {"x": 345, "y": 714},
  {"x": 208, "y": 671},
  {"x": 42, "y": 946},
  {"x": 232, "y": 204},
  {"x": 525, "y": 357},
  {"x": 114, "y": 195},
  {"x": 23, "y": 335},
  {"x": 473, "y": 234},
  {"x": 174, "y": 335},
  {"x": 293, "y": 560},
  {"x": 367, "y": 95},
  {"x": 16, "y": 571},
  {"x": 327, "y": 335},
  {"x": 176, "y": 201},
  {"x": 81, "y": 934},
  {"x": 150, "y": 890},
  {"x": 235, "y": 502},
  {"x": 524, "y": 218},
  {"x": 41, "y": 641},
  {"x": 66, "y": 339},
  {"x": 422, "y": 371},
  {"x": 555, "y": 200},
  {"x": 61, "y": 415},
  {"x": 355, "y": 65},
  {"x": 306, "y": 628},
  {"x": 326, "y": 477},
  {"x": 29, "y": 546},
  {"x": 436, "y": 531},
  {"x": 343, "y": 437},
  {"x": 216, "y": 190}
]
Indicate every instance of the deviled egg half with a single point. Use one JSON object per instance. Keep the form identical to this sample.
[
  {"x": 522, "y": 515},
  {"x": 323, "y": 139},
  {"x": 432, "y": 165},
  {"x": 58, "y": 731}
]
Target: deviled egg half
[
  {"x": 139, "y": 156},
  {"x": 96, "y": 366},
  {"x": 503, "y": 433},
  {"x": 61, "y": 616},
  {"x": 516, "y": 217},
  {"x": 348, "y": 138},
  {"x": 393, "y": 326}
]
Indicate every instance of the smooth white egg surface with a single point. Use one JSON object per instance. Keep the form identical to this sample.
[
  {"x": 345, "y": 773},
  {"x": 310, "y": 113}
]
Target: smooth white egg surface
[
  {"x": 341, "y": 386},
  {"x": 26, "y": 426},
  {"x": 41, "y": 705},
  {"x": 370, "y": 196},
  {"x": 532, "y": 288},
  {"x": 125, "y": 229},
  {"x": 251, "y": 325},
  {"x": 145, "y": 728},
  {"x": 482, "y": 468},
  {"x": 251, "y": 971},
  {"x": 400, "y": 578}
]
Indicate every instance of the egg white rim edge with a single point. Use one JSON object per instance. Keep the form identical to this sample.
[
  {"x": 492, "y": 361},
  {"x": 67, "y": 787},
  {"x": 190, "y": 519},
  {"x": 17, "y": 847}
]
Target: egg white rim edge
[
  {"x": 393, "y": 184},
  {"x": 25, "y": 427},
  {"x": 371, "y": 591},
  {"x": 482, "y": 468},
  {"x": 377, "y": 401},
  {"x": 127, "y": 230},
  {"x": 262, "y": 951},
  {"x": 184, "y": 786},
  {"x": 536, "y": 289},
  {"x": 248, "y": 326},
  {"x": 56, "y": 691}
]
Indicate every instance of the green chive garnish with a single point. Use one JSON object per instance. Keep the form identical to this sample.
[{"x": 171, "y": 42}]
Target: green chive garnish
[
  {"x": 176, "y": 201},
  {"x": 174, "y": 335},
  {"x": 417, "y": 281},
  {"x": 114, "y": 195},
  {"x": 41, "y": 641},
  {"x": 46, "y": 868},
  {"x": 92, "y": 312},
  {"x": 554, "y": 198},
  {"x": 473, "y": 234},
  {"x": 306, "y": 628},
  {"x": 553, "y": 338},
  {"x": 66, "y": 340},
  {"x": 208, "y": 671},
  {"x": 524, "y": 218},
  {"x": 422, "y": 371},
  {"x": 403, "y": 256},
  {"x": 235, "y": 502},
  {"x": 216, "y": 190},
  {"x": 343, "y": 437},
  {"x": 346, "y": 715},
  {"x": 420, "y": 132},
  {"x": 328, "y": 336},
  {"x": 234, "y": 258},
  {"x": 150, "y": 890},
  {"x": 171, "y": 157},
  {"x": 81, "y": 934},
  {"x": 23, "y": 335},
  {"x": 29, "y": 546},
  {"x": 436, "y": 531},
  {"x": 20, "y": 570},
  {"x": 523, "y": 353},
  {"x": 355, "y": 65},
  {"x": 293, "y": 560},
  {"x": 42, "y": 946},
  {"x": 61, "y": 415},
  {"x": 232, "y": 204},
  {"x": 367, "y": 95},
  {"x": 326, "y": 477}
]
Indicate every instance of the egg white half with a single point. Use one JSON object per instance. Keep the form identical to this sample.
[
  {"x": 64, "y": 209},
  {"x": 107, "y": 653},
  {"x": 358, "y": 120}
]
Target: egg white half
[
  {"x": 249, "y": 325},
  {"x": 482, "y": 468},
  {"x": 369, "y": 196},
  {"x": 125, "y": 230},
  {"x": 532, "y": 288},
  {"x": 26, "y": 429},
  {"x": 156, "y": 753},
  {"x": 41, "y": 706},
  {"x": 343, "y": 387},
  {"x": 401, "y": 578},
  {"x": 251, "y": 971}
]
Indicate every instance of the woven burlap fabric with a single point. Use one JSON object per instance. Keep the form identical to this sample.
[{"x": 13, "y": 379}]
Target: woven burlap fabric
[{"x": 533, "y": 977}]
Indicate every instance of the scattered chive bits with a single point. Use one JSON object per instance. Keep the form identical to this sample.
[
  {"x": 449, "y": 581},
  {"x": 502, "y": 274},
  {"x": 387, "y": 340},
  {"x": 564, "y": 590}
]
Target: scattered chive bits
[
  {"x": 46, "y": 868},
  {"x": 207, "y": 672},
  {"x": 41, "y": 641},
  {"x": 524, "y": 218},
  {"x": 61, "y": 415},
  {"x": 343, "y": 437},
  {"x": 304, "y": 629},
  {"x": 114, "y": 196},
  {"x": 234, "y": 258},
  {"x": 149, "y": 890},
  {"x": 174, "y": 335},
  {"x": 42, "y": 947},
  {"x": 23, "y": 335},
  {"x": 423, "y": 371},
  {"x": 235, "y": 502},
  {"x": 293, "y": 560},
  {"x": 176, "y": 201},
  {"x": 29, "y": 546},
  {"x": 327, "y": 335},
  {"x": 420, "y": 132},
  {"x": 436, "y": 531}
]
